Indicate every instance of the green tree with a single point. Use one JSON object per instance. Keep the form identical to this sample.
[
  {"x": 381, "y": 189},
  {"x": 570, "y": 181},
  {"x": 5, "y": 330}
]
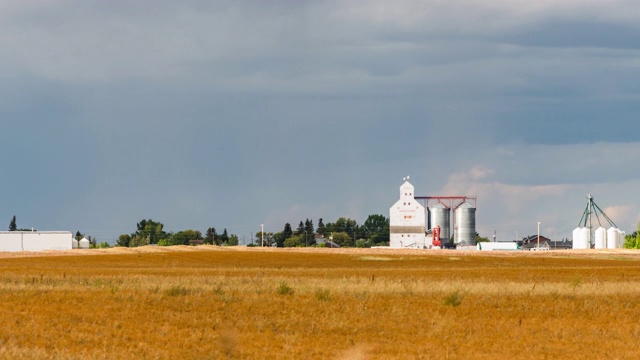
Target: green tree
[
  {"x": 481, "y": 238},
  {"x": 342, "y": 238},
  {"x": 224, "y": 238},
  {"x": 212, "y": 236},
  {"x": 300, "y": 229},
  {"x": 92, "y": 240},
  {"x": 279, "y": 238},
  {"x": 79, "y": 235},
  {"x": 629, "y": 241},
  {"x": 345, "y": 225},
  {"x": 294, "y": 241},
  {"x": 342, "y": 225},
  {"x": 320, "y": 230},
  {"x": 287, "y": 232},
  {"x": 308, "y": 227},
  {"x": 123, "y": 240},
  {"x": 632, "y": 241},
  {"x": 233, "y": 240},
  {"x": 260, "y": 238},
  {"x": 183, "y": 237},
  {"x": 139, "y": 240},
  {"x": 12, "y": 224},
  {"x": 268, "y": 238},
  {"x": 309, "y": 232},
  {"x": 151, "y": 230},
  {"x": 376, "y": 229}
]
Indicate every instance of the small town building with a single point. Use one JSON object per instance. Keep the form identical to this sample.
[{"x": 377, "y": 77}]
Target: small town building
[{"x": 35, "y": 240}]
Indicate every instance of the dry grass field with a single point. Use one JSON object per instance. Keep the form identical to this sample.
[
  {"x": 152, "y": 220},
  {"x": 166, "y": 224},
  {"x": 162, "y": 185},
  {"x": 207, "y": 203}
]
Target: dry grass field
[{"x": 238, "y": 303}]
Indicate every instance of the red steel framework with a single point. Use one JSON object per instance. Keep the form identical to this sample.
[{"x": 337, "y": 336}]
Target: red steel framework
[{"x": 453, "y": 201}]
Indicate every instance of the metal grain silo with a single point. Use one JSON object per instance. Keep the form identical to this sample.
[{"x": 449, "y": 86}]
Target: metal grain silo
[
  {"x": 601, "y": 238},
  {"x": 441, "y": 215},
  {"x": 84, "y": 243},
  {"x": 586, "y": 238},
  {"x": 74, "y": 243},
  {"x": 612, "y": 238},
  {"x": 577, "y": 238},
  {"x": 465, "y": 231}
]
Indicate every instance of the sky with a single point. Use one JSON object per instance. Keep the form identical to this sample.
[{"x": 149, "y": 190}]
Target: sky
[{"x": 233, "y": 114}]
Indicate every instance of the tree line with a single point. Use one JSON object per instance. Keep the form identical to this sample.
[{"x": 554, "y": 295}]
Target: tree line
[
  {"x": 149, "y": 232},
  {"x": 344, "y": 232},
  {"x": 632, "y": 241}
]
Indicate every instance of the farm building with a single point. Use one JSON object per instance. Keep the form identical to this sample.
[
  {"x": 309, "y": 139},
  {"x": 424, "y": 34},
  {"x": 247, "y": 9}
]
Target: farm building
[
  {"x": 531, "y": 242},
  {"x": 407, "y": 220},
  {"x": 35, "y": 240}
]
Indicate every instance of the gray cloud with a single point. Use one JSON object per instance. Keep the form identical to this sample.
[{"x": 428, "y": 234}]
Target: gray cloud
[{"x": 241, "y": 113}]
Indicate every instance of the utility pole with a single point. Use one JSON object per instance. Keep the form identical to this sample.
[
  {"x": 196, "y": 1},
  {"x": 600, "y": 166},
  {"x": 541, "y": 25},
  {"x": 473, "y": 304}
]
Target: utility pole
[
  {"x": 538, "y": 234},
  {"x": 262, "y": 234}
]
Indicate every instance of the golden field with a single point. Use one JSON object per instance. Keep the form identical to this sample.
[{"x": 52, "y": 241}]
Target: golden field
[{"x": 241, "y": 303}]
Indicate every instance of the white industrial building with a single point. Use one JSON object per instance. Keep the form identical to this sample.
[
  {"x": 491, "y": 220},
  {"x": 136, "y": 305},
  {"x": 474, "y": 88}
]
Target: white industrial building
[
  {"x": 407, "y": 221},
  {"x": 35, "y": 240}
]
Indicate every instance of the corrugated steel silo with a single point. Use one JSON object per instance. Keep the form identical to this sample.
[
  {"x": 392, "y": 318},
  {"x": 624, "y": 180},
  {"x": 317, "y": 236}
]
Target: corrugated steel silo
[
  {"x": 465, "y": 228},
  {"x": 441, "y": 215}
]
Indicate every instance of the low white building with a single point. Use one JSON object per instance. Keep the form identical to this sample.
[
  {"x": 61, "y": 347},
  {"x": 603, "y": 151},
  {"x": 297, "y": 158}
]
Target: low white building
[
  {"x": 407, "y": 221},
  {"x": 35, "y": 240}
]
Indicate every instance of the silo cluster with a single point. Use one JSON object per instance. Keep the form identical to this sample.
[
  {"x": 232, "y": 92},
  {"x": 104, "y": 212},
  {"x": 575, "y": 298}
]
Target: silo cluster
[
  {"x": 464, "y": 223},
  {"x": 611, "y": 238}
]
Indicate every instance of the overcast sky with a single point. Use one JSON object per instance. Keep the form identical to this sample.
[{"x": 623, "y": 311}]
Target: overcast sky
[{"x": 240, "y": 113}]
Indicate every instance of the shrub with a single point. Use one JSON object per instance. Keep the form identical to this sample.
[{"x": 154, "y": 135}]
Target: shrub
[
  {"x": 285, "y": 289},
  {"x": 361, "y": 243},
  {"x": 453, "y": 299},
  {"x": 177, "y": 290},
  {"x": 164, "y": 242},
  {"x": 294, "y": 241},
  {"x": 323, "y": 295}
]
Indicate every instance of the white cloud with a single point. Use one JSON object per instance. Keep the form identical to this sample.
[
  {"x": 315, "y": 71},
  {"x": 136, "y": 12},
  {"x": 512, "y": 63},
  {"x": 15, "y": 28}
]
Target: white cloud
[
  {"x": 511, "y": 204},
  {"x": 624, "y": 215}
]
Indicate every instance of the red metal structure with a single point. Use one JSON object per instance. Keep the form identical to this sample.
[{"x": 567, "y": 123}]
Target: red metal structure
[
  {"x": 452, "y": 202},
  {"x": 436, "y": 236}
]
